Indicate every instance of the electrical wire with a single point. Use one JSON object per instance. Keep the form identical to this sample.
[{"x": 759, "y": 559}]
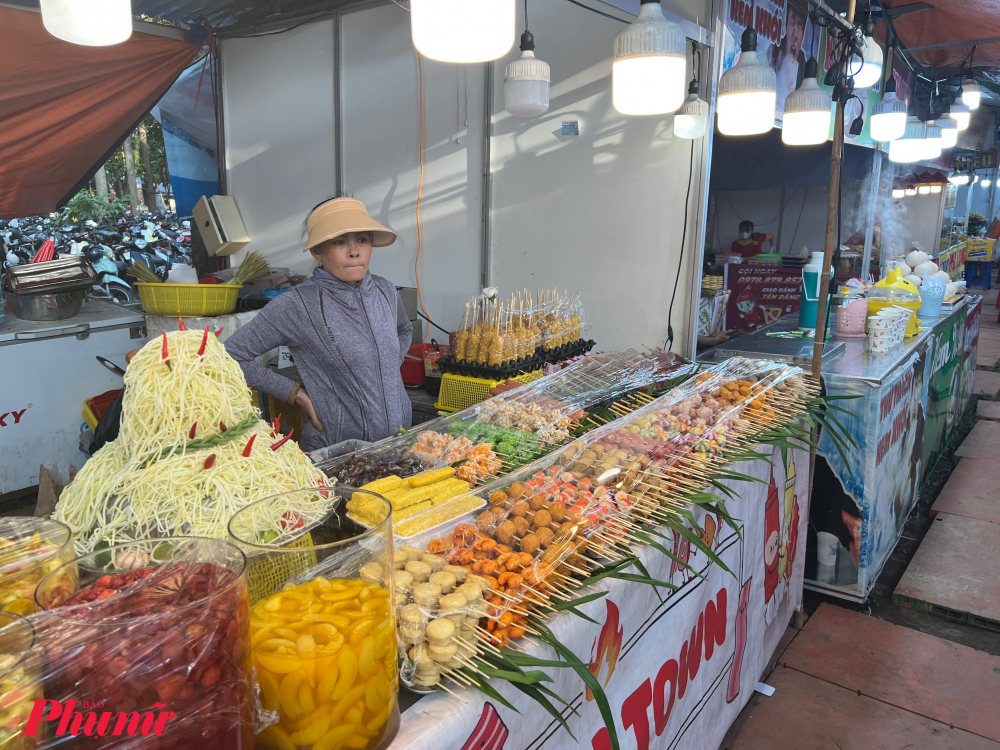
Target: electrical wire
[
  {"x": 599, "y": 12},
  {"x": 680, "y": 260},
  {"x": 420, "y": 187},
  {"x": 396, "y": 2},
  {"x": 805, "y": 196}
]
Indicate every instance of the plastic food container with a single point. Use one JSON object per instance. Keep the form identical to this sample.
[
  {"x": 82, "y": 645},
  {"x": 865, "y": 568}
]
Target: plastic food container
[
  {"x": 337, "y": 449},
  {"x": 322, "y": 621},
  {"x": 30, "y": 549},
  {"x": 153, "y": 624}
]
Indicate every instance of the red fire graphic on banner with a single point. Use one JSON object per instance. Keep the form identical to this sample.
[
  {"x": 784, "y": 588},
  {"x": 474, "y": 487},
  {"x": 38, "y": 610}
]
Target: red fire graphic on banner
[
  {"x": 490, "y": 733},
  {"x": 606, "y": 647}
]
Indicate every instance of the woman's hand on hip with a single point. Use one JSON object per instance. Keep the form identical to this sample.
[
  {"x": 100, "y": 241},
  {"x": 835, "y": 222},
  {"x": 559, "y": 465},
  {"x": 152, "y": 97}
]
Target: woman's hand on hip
[{"x": 305, "y": 404}]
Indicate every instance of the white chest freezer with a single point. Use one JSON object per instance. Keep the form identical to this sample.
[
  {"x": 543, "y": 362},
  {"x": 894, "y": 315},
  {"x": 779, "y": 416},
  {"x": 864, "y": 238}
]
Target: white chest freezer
[{"x": 47, "y": 370}]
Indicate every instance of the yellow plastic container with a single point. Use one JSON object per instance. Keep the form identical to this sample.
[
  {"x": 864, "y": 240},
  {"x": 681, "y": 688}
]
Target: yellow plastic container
[
  {"x": 895, "y": 291},
  {"x": 188, "y": 300},
  {"x": 460, "y": 391}
]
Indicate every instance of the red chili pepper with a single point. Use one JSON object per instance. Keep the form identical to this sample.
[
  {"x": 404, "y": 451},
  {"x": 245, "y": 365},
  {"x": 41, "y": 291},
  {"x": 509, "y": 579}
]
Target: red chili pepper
[
  {"x": 283, "y": 440},
  {"x": 277, "y": 425},
  {"x": 193, "y": 428},
  {"x": 219, "y": 332},
  {"x": 180, "y": 324},
  {"x": 222, "y": 426},
  {"x": 246, "y": 451},
  {"x": 204, "y": 341},
  {"x": 210, "y": 461},
  {"x": 165, "y": 354},
  {"x": 291, "y": 521}
]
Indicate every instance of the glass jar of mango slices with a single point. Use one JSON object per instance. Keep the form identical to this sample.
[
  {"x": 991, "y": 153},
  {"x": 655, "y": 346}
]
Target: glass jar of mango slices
[
  {"x": 322, "y": 625},
  {"x": 30, "y": 549},
  {"x": 20, "y": 685}
]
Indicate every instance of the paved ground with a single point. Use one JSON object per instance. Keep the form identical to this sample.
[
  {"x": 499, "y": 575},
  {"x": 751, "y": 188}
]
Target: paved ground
[{"x": 879, "y": 675}]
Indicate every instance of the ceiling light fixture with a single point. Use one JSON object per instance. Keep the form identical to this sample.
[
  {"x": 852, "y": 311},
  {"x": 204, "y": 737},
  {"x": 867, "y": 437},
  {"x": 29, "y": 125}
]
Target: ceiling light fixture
[
  {"x": 462, "y": 31},
  {"x": 960, "y": 113},
  {"x": 888, "y": 120},
  {"x": 959, "y": 178},
  {"x": 949, "y": 131},
  {"x": 910, "y": 146},
  {"x": 870, "y": 70},
  {"x": 806, "y": 121},
  {"x": 747, "y": 92},
  {"x": 910, "y": 191},
  {"x": 526, "y": 80},
  {"x": 691, "y": 120},
  {"x": 650, "y": 64},
  {"x": 935, "y": 188},
  {"x": 898, "y": 193},
  {"x": 932, "y": 142},
  {"x": 971, "y": 95},
  {"x": 92, "y": 23}
]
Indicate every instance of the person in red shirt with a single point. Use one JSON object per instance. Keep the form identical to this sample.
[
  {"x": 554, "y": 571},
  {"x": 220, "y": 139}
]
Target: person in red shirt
[{"x": 750, "y": 243}]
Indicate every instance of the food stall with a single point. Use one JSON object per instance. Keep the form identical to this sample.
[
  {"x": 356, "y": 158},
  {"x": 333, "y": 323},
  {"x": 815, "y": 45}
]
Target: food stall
[{"x": 899, "y": 409}]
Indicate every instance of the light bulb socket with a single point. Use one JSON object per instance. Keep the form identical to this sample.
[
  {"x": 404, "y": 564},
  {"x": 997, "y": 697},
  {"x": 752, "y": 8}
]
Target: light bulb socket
[
  {"x": 890, "y": 86},
  {"x": 857, "y": 126},
  {"x": 693, "y": 87},
  {"x": 812, "y": 68},
  {"x": 748, "y": 42},
  {"x": 527, "y": 41}
]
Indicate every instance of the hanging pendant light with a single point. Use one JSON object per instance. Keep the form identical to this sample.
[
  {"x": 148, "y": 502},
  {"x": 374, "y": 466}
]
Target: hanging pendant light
[
  {"x": 960, "y": 113},
  {"x": 806, "y": 121},
  {"x": 923, "y": 189},
  {"x": 935, "y": 188},
  {"x": 526, "y": 80},
  {"x": 959, "y": 178},
  {"x": 932, "y": 142},
  {"x": 867, "y": 70},
  {"x": 462, "y": 31},
  {"x": 898, "y": 193},
  {"x": 985, "y": 183},
  {"x": 92, "y": 23},
  {"x": 888, "y": 120},
  {"x": 691, "y": 120},
  {"x": 747, "y": 92},
  {"x": 650, "y": 64},
  {"x": 949, "y": 132},
  {"x": 971, "y": 95},
  {"x": 909, "y": 147},
  {"x": 910, "y": 191}
]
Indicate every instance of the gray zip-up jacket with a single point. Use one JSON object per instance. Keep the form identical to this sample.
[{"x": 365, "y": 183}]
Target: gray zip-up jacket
[{"x": 348, "y": 343}]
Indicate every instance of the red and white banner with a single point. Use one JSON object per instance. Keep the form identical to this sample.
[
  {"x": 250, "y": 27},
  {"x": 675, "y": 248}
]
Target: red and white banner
[{"x": 677, "y": 666}]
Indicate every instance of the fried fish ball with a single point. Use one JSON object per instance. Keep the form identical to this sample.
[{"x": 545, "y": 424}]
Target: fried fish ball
[
  {"x": 520, "y": 508},
  {"x": 558, "y": 512},
  {"x": 544, "y": 536},
  {"x": 515, "y": 490},
  {"x": 530, "y": 544},
  {"x": 542, "y": 518},
  {"x": 522, "y": 525},
  {"x": 498, "y": 498},
  {"x": 505, "y": 532},
  {"x": 537, "y": 502}
]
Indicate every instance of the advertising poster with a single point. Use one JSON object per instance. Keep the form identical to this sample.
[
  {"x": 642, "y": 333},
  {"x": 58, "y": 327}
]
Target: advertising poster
[
  {"x": 972, "y": 317},
  {"x": 759, "y": 295},
  {"x": 677, "y": 666},
  {"x": 861, "y": 500},
  {"x": 944, "y": 404},
  {"x": 785, "y": 40}
]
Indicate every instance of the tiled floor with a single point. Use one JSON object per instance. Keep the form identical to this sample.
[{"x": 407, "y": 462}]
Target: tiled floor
[{"x": 852, "y": 681}]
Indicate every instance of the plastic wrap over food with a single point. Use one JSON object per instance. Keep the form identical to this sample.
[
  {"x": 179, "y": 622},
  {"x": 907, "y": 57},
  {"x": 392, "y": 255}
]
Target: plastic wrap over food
[
  {"x": 143, "y": 645},
  {"x": 30, "y": 549}
]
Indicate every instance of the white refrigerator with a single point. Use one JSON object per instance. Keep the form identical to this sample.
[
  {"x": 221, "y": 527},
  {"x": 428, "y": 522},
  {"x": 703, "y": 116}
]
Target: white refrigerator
[{"x": 47, "y": 370}]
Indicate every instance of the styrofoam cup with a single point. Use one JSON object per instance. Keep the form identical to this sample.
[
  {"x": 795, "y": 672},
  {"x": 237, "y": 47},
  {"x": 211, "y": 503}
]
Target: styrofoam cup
[{"x": 826, "y": 548}]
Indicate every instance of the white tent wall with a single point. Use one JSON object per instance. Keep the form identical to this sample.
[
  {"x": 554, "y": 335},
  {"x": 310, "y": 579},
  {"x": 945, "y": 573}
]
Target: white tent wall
[
  {"x": 278, "y": 110},
  {"x": 380, "y": 111},
  {"x": 601, "y": 212}
]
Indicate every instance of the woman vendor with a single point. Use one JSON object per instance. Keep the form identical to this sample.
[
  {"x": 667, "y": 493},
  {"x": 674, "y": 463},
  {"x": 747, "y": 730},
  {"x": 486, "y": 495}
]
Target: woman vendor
[
  {"x": 346, "y": 329},
  {"x": 750, "y": 243}
]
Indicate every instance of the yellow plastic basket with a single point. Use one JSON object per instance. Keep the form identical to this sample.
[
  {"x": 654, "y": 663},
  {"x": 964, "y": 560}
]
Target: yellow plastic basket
[
  {"x": 460, "y": 392},
  {"x": 189, "y": 300}
]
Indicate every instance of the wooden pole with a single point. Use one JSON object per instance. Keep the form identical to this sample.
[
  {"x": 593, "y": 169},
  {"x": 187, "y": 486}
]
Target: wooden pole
[{"x": 832, "y": 204}]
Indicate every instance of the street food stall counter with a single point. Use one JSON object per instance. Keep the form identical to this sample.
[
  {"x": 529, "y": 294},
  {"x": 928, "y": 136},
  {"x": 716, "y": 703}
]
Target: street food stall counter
[{"x": 899, "y": 408}]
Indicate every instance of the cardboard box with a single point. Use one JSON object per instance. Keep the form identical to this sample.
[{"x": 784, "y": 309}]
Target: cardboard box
[{"x": 979, "y": 249}]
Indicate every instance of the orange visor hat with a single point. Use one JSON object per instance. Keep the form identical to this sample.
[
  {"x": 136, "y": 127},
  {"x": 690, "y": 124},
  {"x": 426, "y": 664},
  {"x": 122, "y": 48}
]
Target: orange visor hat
[{"x": 340, "y": 216}]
